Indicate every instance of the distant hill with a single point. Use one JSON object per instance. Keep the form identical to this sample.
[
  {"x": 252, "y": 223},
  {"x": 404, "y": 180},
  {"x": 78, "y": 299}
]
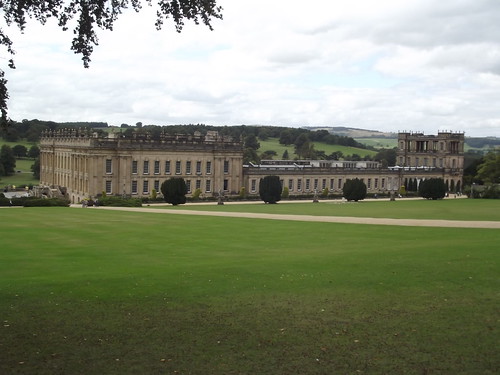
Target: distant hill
[
  {"x": 353, "y": 132},
  {"x": 378, "y": 139}
]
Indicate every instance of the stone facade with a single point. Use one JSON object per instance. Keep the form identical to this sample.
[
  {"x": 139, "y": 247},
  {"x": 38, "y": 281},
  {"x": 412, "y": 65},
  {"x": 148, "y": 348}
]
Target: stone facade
[
  {"x": 84, "y": 165},
  {"x": 441, "y": 155},
  {"x": 309, "y": 176}
]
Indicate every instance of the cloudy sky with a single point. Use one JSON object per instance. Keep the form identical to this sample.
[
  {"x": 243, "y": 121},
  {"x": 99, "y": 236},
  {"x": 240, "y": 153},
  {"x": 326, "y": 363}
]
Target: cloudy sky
[{"x": 388, "y": 65}]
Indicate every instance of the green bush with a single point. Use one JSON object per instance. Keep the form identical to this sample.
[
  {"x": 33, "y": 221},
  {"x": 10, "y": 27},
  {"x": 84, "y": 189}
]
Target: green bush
[
  {"x": 174, "y": 190},
  {"x": 354, "y": 190},
  {"x": 120, "y": 202},
  {"x": 286, "y": 193},
  {"x": 432, "y": 188},
  {"x": 145, "y": 200},
  {"x": 491, "y": 192},
  {"x": 46, "y": 202},
  {"x": 196, "y": 194},
  {"x": 4, "y": 202},
  {"x": 34, "y": 202},
  {"x": 270, "y": 189},
  {"x": 242, "y": 193}
]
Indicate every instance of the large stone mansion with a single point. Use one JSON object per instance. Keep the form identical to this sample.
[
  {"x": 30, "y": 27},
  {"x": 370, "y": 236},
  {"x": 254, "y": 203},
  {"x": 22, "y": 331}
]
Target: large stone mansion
[{"x": 84, "y": 165}]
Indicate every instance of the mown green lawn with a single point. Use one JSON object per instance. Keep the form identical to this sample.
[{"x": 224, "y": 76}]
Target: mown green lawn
[
  {"x": 89, "y": 291},
  {"x": 273, "y": 144},
  {"x": 23, "y": 175},
  {"x": 20, "y": 142},
  {"x": 378, "y": 142},
  {"x": 446, "y": 209}
]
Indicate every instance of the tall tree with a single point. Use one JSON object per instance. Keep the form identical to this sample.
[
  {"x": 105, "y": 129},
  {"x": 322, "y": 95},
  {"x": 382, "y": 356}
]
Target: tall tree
[
  {"x": 19, "y": 151},
  {"x": 263, "y": 134},
  {"x": 174, "y": 190},
  {"x": 7, "y": 160},
  {"x": 335, "y": 155},
  {"x": 35, "y": 168},
  {"x": 489, "y": 170},
  {"x": 304, "y": 148},
  {"x": 250, "y": 156},
  {"x": 34, "y": 152},
  {"x": 268, "y": 155},
  {"x": 85, "y": 17},
  {"x": 300, "y": 141},
  {"x": 354, "y": 190},
  {"x": 270, "y": 189},
  {"x": 252, "y": 142},
  {"x": 286, "y": 137},
  {"x": 432, "y": 188},
  {"x": 387, "y": 157}
]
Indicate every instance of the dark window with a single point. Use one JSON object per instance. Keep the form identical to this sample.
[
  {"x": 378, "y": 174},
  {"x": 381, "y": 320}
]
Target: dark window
[
  {"x": 108, "y": 187},
  {"x": 109, "y": 166}
]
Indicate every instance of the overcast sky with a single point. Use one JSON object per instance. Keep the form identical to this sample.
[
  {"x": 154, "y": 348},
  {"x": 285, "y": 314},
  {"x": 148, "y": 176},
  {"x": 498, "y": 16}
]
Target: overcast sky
[{"x": 388, "y": 65}]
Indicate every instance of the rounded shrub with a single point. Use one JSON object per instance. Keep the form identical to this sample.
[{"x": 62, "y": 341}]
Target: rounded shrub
[
  {"x": 174, "y": 190},
  {"x": 270, "y": 189},
  {"x": 432, "y": 188},
  {"x": 354, "y": 190}
]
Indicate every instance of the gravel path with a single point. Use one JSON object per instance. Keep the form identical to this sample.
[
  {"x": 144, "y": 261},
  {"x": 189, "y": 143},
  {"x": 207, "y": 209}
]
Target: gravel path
[{"x": 322, "y": 219}]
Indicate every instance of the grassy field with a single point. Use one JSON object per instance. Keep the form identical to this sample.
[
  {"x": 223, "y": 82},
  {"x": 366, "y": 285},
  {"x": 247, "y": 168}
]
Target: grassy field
[
  {"x": 20, "y": 142},
  {"x": 273, "y": 144},
  {"x": 99, "y": 292},
  {"x": 24, "y": 177},
  {"x": 446, "y": 209},
  {"x": 379, "y": 142}
]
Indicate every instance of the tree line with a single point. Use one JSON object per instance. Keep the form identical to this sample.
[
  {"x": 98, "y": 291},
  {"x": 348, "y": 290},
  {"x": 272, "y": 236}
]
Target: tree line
[{"x": 31, "y": 130}]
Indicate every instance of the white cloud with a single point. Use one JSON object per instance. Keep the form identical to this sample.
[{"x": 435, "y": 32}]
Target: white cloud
[{"x": 388, "y": 65}]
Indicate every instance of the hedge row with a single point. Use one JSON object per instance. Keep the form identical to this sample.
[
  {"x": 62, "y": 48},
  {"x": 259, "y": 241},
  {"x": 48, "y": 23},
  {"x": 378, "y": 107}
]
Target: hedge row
[
  {"x": 34, "y": 202},
  {"x": 120, "y": 202}
]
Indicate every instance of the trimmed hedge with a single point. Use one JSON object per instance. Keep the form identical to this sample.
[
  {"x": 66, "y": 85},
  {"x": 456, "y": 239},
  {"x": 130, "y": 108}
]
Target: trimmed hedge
[
  {"x": 174, "y": 190},
  {"x": 120, "y": 202},
  {"x": 354, "y": 190},
  {"x": 432, "y": 188},
  {"x": 34, "y": 202},
  {"x": 270, "y": 189}
]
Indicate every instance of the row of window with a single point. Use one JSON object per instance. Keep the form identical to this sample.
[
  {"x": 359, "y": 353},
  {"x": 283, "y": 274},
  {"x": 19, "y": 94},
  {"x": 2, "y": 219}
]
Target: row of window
[
  {"x": 421, "y": 146},
  {"x": 312, "y": 184},
  {"x": 156, "y": 185},
  {"x": 424, "y": 162},
  {"x": 167, "y": 167}
]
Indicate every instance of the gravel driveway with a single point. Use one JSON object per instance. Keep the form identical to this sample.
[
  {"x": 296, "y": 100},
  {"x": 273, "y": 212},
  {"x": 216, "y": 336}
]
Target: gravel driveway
[{"x": 322, "y": 219}]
